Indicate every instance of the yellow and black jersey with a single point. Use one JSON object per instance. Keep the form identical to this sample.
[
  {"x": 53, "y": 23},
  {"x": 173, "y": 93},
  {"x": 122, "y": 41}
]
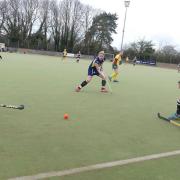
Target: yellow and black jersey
[{"x": 117, "y": 59}]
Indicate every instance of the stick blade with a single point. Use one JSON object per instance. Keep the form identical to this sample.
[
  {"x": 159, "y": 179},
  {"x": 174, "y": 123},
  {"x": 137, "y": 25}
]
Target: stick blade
[
  {"x": 161, "y": 117},
  {"x": 20, "y": 107}
]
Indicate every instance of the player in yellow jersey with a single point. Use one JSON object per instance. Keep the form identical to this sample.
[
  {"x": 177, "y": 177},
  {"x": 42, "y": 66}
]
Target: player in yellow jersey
[
  {"x": 127, "y": 60},
  {"x": 115, "y": 66},
  {"x": 64, "y": 54}
]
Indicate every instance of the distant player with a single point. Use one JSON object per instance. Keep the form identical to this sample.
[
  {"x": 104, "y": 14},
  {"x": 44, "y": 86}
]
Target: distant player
[
  {"x": 0, "y": 57},
  {"x": 134, "y": 61},
  {"x": 178, "y": 67},
  {"x": 95, "y": 68},
  {"x": 127, "y": 60},
  {"x": 78, "y": 56},
  {"x": 115, "y": 66},
  {"x": 64, "y": 54}
]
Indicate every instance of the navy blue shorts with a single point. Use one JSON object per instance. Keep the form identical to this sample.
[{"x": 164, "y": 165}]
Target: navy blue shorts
[
  {"x": 92, "y": 72},
  {"x": 115, "y": 66}
]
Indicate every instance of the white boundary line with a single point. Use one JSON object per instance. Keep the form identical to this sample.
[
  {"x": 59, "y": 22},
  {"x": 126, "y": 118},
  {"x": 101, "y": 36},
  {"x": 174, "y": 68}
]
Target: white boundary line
[{"x": 97, "y": 166}]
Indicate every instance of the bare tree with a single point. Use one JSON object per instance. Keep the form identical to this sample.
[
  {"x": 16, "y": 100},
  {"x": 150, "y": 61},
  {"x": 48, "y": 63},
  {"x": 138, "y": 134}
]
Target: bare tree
[
  {"x": 29, "y": 13},
  {"x": 66, "y": 7},
  {"x": 76, "y": 23},
  {"x": 76, "y": 19},
  {"x": 12, "y": 23},
  {"x": 89, "y": 13},
  {"x": 55, "y": 23},
  {"x": 44, "y": 21},
  {"x": 40, "y": 23},
  {"x": 2, "y": 14}
]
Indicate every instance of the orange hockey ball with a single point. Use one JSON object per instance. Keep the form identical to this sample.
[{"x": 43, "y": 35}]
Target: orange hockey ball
[{"x": 66, "y": 116}]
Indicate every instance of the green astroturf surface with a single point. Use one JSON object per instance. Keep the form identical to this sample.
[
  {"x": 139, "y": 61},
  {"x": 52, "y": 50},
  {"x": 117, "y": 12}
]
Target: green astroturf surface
[{"x": 101, "y": 127}]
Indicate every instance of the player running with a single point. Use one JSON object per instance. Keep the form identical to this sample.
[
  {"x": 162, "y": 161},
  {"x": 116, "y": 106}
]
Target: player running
[
  {"x": 115, "y": 66},
  {"x": 64, "y": 54},
  {"x": 134, "y": 61},
  {"x": 95, "y": 68},
  {"x": 78, "y": 56}
]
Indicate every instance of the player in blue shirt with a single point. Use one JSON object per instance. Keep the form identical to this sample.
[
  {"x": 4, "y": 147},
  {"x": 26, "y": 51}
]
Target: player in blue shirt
[{"x": 95, "y": 68}]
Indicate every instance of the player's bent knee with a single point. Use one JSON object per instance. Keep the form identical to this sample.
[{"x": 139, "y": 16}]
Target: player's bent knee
[{"x": 88, "y": 80}]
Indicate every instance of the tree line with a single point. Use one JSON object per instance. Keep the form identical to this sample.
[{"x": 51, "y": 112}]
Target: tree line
[
  {"x": 59, "y": 24},
  {"x": 55, "y": 25},
  {"x": 143, "y": 49}
]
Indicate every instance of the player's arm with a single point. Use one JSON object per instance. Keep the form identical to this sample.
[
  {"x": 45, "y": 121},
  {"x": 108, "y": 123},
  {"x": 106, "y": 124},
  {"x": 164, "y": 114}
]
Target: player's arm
[
  {"x": 115, "y": 60},
  {"x": 99, "y": 69}
]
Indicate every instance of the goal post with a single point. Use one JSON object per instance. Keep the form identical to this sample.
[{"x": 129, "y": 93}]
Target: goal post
[
  {"x": 109, "y": 56},
  {"x": 2, "y": 47}
]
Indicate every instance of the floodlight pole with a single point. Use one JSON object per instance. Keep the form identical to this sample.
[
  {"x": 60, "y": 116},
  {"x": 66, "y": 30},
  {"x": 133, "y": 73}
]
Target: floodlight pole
[{"x": 126, "y": 3}]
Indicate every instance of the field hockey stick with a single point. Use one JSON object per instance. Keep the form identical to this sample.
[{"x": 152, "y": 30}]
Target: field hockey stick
[
  {"x": 20, "y": 107},
  {"x": 109, "y": 86},
  {"x": 170, "y": 121},
  {"x": 174, "y": 123}
]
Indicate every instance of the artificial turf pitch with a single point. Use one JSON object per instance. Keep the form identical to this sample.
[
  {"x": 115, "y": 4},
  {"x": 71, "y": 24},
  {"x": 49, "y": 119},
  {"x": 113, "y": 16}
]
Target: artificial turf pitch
[{"x": 101, "y": 127}]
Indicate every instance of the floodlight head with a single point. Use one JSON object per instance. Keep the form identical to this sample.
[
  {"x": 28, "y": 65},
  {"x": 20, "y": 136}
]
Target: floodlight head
[{"x": 126, "y": 3}]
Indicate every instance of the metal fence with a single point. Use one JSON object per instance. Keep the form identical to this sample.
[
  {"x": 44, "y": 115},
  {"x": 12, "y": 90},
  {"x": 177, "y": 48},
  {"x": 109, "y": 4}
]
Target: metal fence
[{"x": 42, "y": 52}]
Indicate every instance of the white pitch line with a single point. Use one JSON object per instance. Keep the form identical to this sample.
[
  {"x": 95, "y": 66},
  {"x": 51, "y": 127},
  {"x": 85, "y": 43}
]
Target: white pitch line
[{"x": 97, "y": 166}]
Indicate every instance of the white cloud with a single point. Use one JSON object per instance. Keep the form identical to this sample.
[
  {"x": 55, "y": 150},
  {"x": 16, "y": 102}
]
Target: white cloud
[{"x": 156, "y": 20}]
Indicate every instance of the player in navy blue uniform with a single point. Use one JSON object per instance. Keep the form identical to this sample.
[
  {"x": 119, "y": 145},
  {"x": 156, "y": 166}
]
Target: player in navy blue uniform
[
  {"x": 95, "y": 68},
  {"x": 78, "y": 56}
]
